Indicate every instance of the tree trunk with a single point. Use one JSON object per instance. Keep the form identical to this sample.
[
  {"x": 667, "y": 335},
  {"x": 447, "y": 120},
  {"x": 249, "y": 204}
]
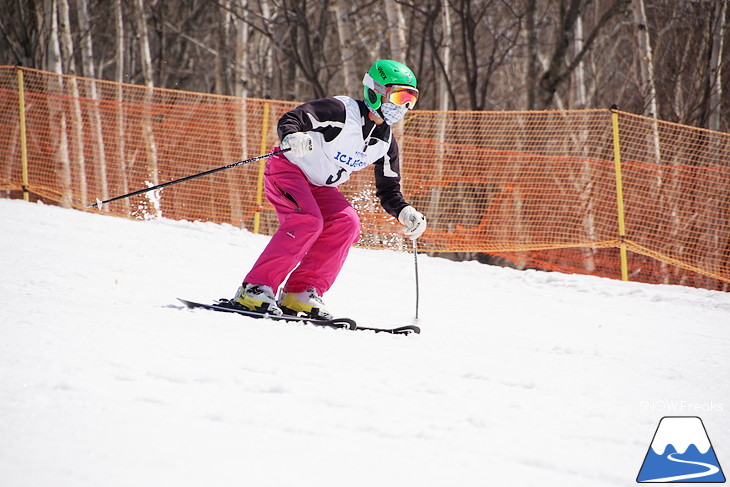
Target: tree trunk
[
  {"x": 77, "y": 119},
  {"x": 240, "y": 30},
  {"x": 56, "y": 113},
  {"x": 584, "y": 180},
  {"x": 443, "y": 80},
  {"x": 140, "y": 20},
  {"x": 443, "y": 94},
  {"x": 533, "y": 58},
  {"x": 240, "y": 85},
  {"x": 579, "y": 101},
  {"x": 716, "y": 65},
  {"x": 344, "y": 31},
  {"x": 646, "y": 58},
  {"x": 646, "y": 72},
  {"x": 148, "y": 133},
  {"x": 87, "y": 67},
  {"x": 272, "y": 56},
  {"x": 120, "y": 50},
  {"x": 221, "y": 66},
  {"x": 396, "y": 30},
  {"x": 648, "y": 89}
]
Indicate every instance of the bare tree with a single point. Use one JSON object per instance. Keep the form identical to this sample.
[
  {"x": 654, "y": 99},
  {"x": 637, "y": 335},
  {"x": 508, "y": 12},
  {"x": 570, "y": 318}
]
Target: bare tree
[
  {"x": 241, "y": 42},
  {"x": 87, "y": 66},
  {"x": 341, "y": 10},
  {"x": 504, "y": 54},
  {"x": 532, "y": 57},
  {"x": 77, "y": 123},
  {"x": 396, "y": 30},
  {"x": 19, "y": 32},
  {"x": 442, "y": 82},
  {"x": 558, "y": 65},
  {"x": 56, "y": 112},
  {"x": 646, "y": 58},
  {"x": 445, "y": 57},
  {"x": 146, "y": 122},
  {"x": 433, "y": 59},
  {"x": 120, "y": 49},
  {"x": 299, "y": 42},
  {"x": 716, "y": 62},
  {"x": 144, "y": 43},
  {"x": 221, "y": 39},
  {"x": 578, "y": 99}
]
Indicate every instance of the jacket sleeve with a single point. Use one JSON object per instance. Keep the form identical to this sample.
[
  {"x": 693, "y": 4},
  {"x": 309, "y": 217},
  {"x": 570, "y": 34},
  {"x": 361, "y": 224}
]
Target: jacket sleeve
[
  {"x": 326, "y": 116},
  {"x": 387, "y": 181}
]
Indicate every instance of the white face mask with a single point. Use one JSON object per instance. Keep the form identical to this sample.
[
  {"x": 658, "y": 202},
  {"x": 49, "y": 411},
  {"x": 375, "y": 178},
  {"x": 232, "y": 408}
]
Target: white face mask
[{"x": 392, "y": 113}]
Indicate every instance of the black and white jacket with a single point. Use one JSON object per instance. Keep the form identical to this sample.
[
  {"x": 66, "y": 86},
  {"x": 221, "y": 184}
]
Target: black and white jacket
[{"x": 346, "y": 140}]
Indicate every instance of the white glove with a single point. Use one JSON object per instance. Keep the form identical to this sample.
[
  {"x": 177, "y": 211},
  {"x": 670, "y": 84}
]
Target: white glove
[
  {"x": 414, "y": 222},
  {"x": 300, "y": 143}
]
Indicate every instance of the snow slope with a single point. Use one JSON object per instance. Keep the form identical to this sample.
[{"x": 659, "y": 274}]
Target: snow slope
[{"x": 518, "y": 378}]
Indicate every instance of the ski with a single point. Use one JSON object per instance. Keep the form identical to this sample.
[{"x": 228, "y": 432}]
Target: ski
[
  {"x": 398, "y": 330},
  {"x": 225, "y": 306}
]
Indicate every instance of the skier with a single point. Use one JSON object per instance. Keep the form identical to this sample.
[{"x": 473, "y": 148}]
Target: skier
[{"x": 328, "y": 140}]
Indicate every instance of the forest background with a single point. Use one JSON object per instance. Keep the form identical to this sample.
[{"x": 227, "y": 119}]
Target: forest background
[{"x": 663, "y": 58}]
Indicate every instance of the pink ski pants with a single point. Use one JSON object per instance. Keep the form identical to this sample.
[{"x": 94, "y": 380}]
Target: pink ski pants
[{"x": 317, "y": 228}]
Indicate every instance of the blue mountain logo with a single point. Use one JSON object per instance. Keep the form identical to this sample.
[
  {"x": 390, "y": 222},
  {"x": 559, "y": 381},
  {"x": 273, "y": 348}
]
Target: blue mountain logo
[{"x": 681, "y": 452}]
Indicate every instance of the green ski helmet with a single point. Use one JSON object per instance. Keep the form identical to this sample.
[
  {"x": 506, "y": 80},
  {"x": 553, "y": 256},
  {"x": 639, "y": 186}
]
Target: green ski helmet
[{"x": 391, "y": 81}]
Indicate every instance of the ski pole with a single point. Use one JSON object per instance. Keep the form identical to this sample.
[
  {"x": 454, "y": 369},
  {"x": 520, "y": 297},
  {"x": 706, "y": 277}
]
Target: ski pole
[
  {"x": 99, "y": 203},
  {"x": 415, "y": 261}
]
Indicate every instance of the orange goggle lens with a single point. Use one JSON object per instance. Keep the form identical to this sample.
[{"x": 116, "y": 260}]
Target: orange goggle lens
[{"x": 402, "y": 96}]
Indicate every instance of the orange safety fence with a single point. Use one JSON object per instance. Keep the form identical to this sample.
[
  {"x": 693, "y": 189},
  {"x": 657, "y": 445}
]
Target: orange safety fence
[{"x": 597, "y": 192}]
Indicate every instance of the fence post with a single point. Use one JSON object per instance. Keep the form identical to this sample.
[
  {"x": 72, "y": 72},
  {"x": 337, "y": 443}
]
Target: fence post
[
  {"x": 619, "y": 197},
  {"x": 262, "y": 166},
  {"x": 23, "y": 143}
]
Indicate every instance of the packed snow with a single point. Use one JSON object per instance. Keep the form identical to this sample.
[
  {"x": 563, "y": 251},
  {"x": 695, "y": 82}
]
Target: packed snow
[{"x": 518, "y": 377}]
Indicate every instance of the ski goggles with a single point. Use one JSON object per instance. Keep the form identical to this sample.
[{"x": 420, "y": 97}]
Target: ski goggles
[{"x": 402, "y": 96}]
